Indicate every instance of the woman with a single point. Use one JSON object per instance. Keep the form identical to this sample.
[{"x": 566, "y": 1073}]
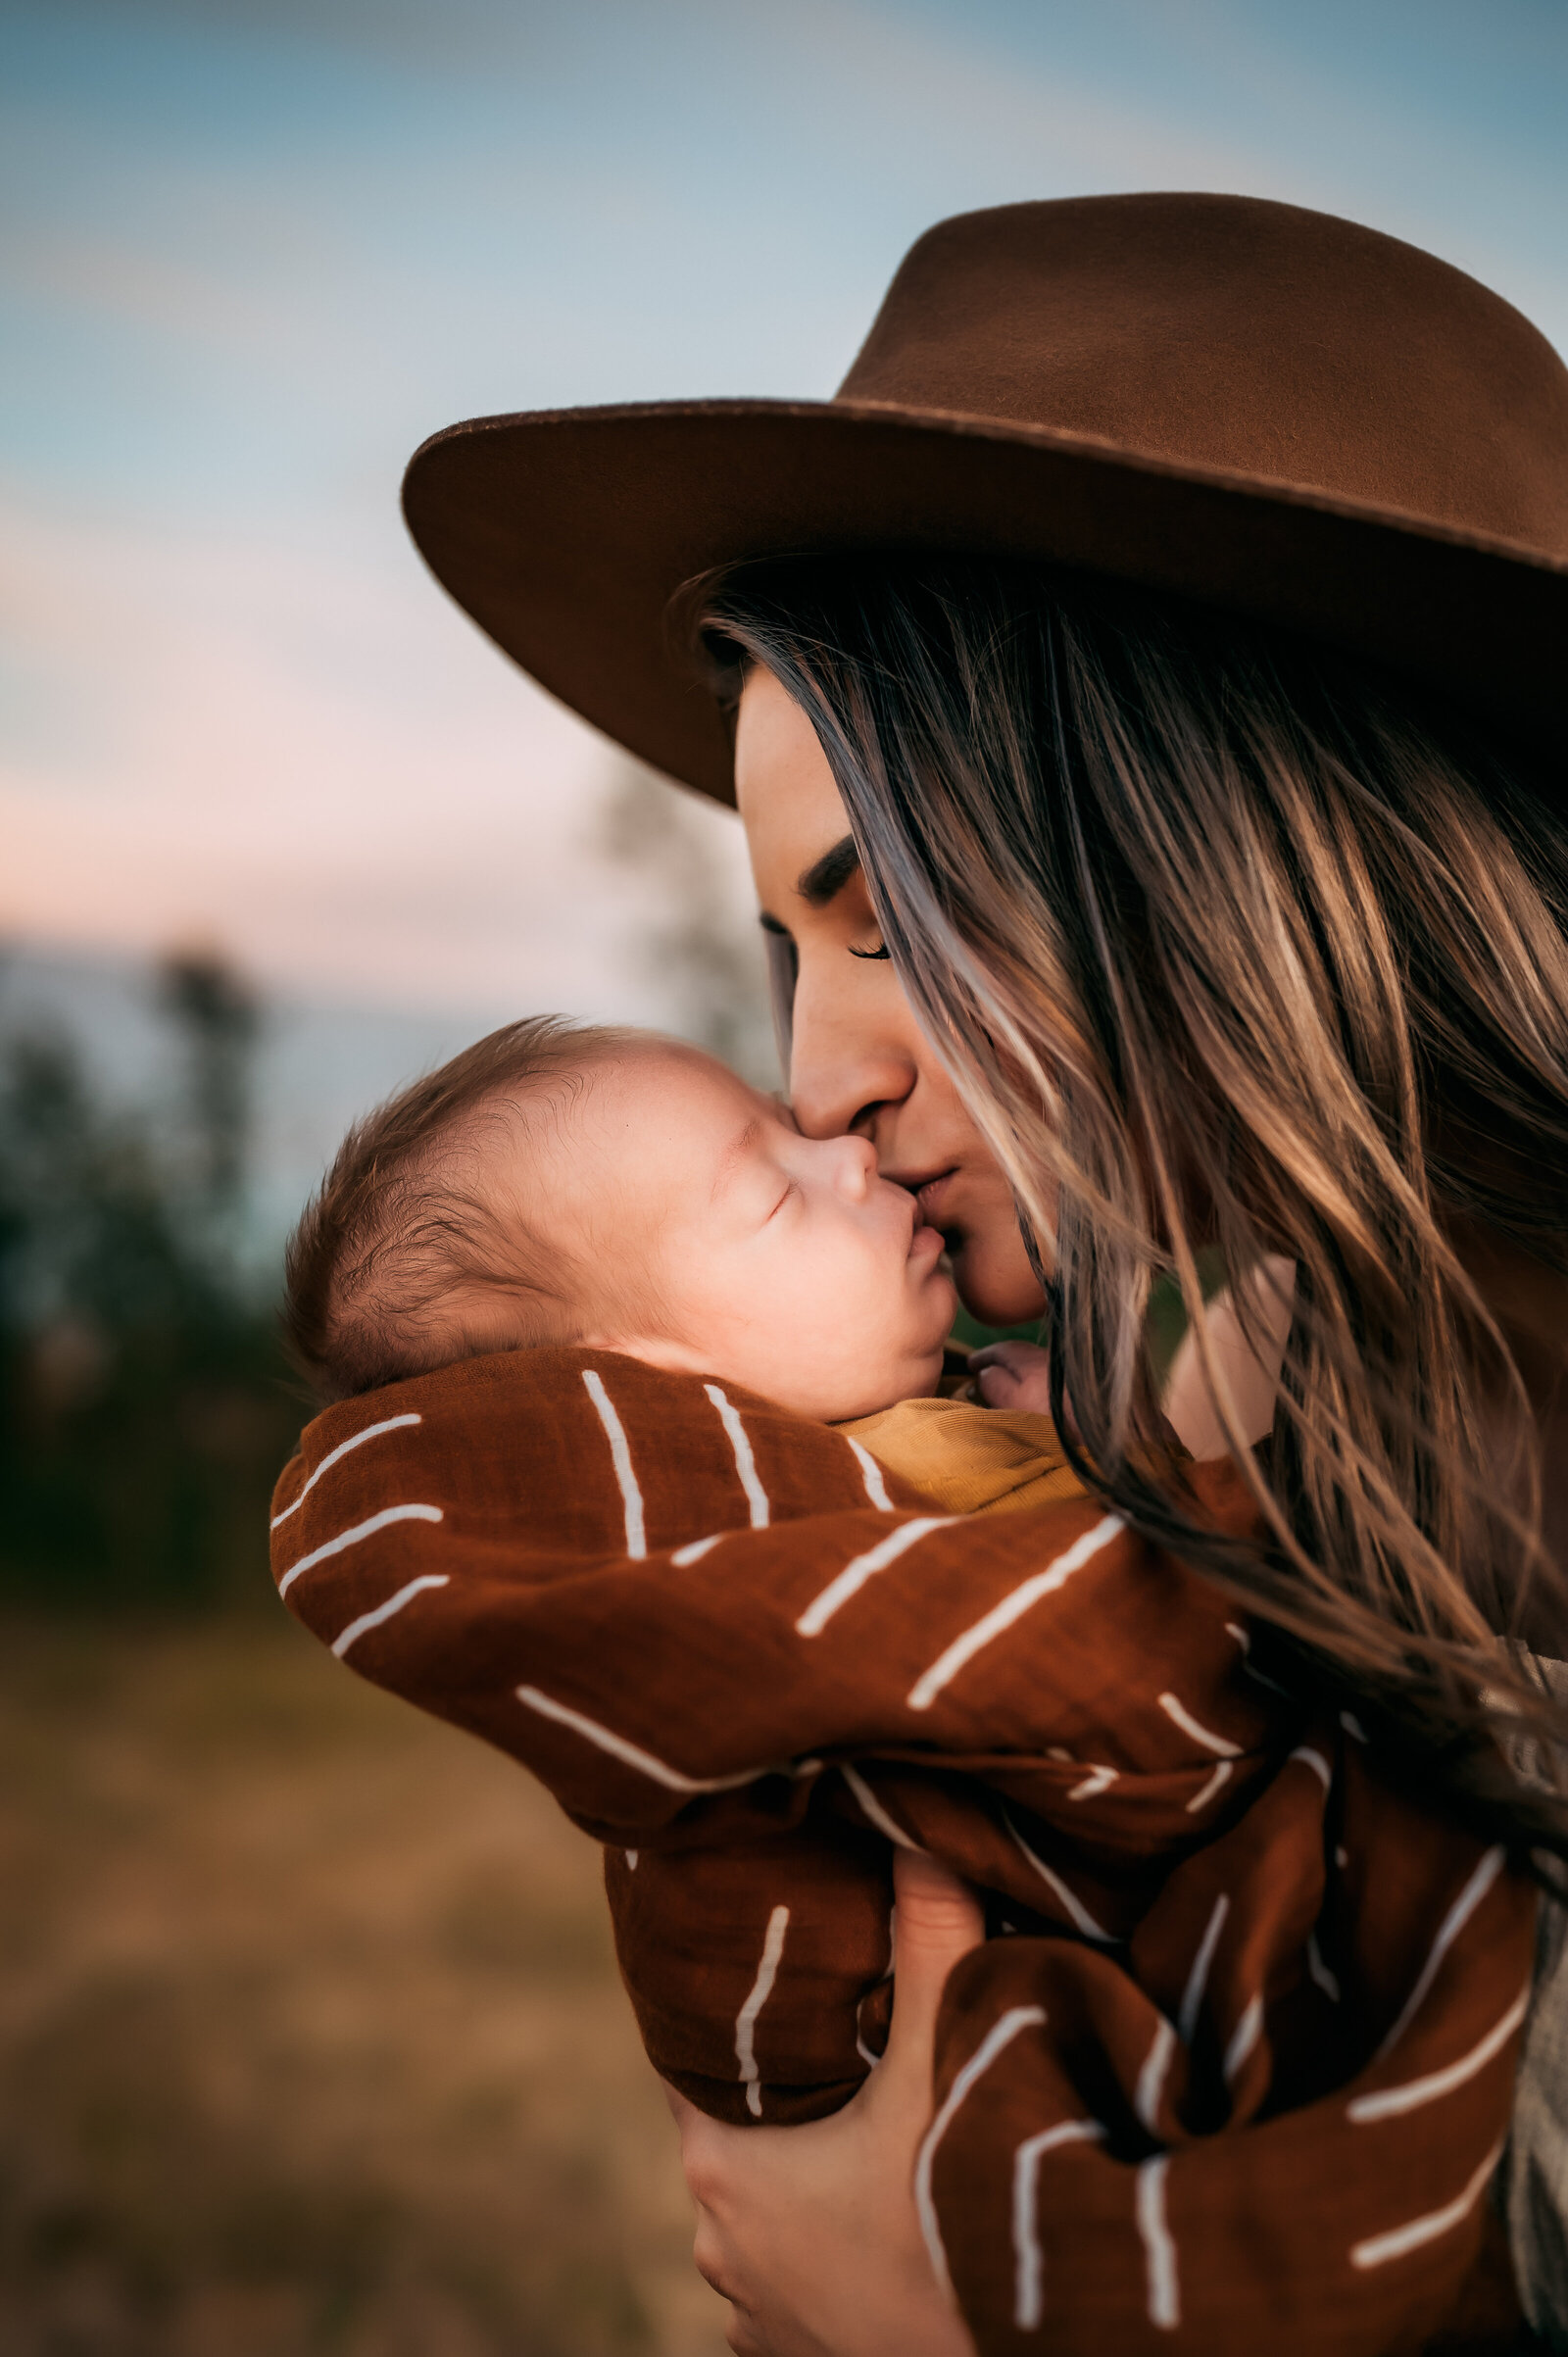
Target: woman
[{"x": 1161, "y": 857}]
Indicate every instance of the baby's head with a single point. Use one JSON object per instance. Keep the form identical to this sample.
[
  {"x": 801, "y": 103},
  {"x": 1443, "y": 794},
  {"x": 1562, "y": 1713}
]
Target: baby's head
[{"x": 564, "y": 1185}]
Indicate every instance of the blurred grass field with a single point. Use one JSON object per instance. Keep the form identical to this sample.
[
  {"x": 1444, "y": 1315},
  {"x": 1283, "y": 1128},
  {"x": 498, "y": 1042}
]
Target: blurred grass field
[{"x": 311, "y": 2038}]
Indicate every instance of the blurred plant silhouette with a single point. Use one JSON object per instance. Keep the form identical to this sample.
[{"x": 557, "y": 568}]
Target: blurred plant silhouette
[
  {"x": 219, "y": 1016},
  {"x": 705, "y": 951},
  {"x": 143, "y": 1402}
]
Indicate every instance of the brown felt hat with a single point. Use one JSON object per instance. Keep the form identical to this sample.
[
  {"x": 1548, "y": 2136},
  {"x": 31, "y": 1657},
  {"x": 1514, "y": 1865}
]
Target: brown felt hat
[{"x": 1270, "y": 410}]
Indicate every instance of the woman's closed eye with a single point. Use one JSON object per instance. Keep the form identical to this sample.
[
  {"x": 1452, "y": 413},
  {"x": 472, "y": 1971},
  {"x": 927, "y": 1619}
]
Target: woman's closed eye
[{"x": 881, "y": 951}]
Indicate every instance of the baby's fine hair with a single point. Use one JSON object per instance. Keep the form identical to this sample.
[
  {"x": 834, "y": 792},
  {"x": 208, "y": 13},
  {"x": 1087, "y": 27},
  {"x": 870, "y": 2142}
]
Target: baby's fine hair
[{"x": 403, "y": 1262}]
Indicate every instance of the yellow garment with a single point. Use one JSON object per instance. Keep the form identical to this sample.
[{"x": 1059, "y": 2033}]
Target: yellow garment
[{"x": 970, "y": 1459}]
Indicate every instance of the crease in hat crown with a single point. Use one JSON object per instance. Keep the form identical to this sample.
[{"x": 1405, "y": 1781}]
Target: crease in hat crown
[
  {"x": 1272, "y": 411},
  {"x": 1241, "y": 335}
]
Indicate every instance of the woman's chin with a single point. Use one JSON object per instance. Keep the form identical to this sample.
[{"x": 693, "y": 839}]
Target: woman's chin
[{"x": 996, "y": 1285}]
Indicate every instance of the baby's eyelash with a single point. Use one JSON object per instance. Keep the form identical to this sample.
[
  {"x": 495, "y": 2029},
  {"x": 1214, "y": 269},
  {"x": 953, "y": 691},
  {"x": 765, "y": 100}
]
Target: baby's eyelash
[{"x": 880, "y": 951}]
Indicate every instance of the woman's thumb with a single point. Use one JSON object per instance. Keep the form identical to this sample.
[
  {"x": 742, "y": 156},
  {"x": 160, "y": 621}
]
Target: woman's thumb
[{"x": 935, "y": 1921}]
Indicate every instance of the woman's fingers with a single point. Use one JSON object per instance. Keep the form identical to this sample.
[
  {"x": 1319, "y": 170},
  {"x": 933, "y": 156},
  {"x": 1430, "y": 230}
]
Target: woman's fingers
[
  {"x": 1014, "y": 1374},
  {"x": 935, "y": 1921},
  {"x": 999, "y": 1355}
]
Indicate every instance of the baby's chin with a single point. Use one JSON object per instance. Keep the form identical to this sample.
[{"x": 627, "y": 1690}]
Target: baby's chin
[
  {"x": 870, "y": 1388},
  {"x": 920, "y": 1376}
]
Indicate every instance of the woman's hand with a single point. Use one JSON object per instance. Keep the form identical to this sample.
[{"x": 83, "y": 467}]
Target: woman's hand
[
  {"x": 810, "y": 2233},
  {"x": 1013, "y": 1375}
]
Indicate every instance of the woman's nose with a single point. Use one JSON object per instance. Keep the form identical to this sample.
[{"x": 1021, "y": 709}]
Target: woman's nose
[{"x": 841, "y": 1070}]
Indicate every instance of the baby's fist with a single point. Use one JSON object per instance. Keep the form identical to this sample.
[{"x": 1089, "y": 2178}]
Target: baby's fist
[{"x": 1013, "y": 1375}]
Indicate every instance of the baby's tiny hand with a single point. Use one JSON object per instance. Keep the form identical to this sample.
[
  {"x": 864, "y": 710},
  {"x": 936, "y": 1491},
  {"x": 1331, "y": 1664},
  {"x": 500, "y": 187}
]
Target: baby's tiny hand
[{"x": 1013, "y": 1375}]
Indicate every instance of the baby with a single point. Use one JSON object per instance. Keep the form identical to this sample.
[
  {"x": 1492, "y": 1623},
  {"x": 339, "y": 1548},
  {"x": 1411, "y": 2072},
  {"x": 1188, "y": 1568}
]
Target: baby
[
  {"x": 566, "y": 1187},
  {"x": 611, "y": 1189}
]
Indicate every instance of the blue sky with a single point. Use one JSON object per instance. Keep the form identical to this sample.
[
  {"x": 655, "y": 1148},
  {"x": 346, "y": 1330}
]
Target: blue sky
[{"x": 250, "y": 253}]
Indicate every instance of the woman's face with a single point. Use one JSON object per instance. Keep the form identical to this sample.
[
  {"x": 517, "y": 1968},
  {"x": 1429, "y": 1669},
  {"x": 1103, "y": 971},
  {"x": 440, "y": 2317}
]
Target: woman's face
[{"x": 859, "y": 1060}]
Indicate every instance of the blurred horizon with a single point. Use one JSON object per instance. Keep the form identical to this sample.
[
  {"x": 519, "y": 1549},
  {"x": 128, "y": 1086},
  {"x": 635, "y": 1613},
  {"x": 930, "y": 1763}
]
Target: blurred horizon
[
  {"x": 313, "y": 2037},
  {"x": 254, "y": 251}
]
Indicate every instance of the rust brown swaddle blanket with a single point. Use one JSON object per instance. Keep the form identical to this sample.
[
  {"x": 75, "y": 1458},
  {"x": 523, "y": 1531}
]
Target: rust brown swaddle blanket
[{"x": 1239, "y": 2060}]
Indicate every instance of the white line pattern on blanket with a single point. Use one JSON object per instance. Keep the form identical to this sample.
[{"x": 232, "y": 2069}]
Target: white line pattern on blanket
[
  {"x": 1452, "y": 1924},
  {"x": 1192, "y": 2004},
  {"x": 996, "y": 2038},
  {"x": 1327, "y": 1981},
  {"x": 875, "y": 1814},
  {"x": 352, "y": 1538},
  {"x": 1389, "y": 2101},
  {"x": 1159, "y": 2249},
  {"x": 387, "y": 1611},
  {"x": 1243, "y": 2038},
  {"x": 745, "y": 1462},
  {"x": 1028, "y": 2299},
  {"x": 633, "y": 1755},
  {"x": 1213, "y": 1786},
  {"x": 684, "y": 1556},
  {"x": 1151, "y": 2078},
  {"x": 1001, "y": 1617},
  {"x": 631, "y": 1496},
  {"x": 1179, "y": 1714},
  {"x": 355, "y": 1440},
  {"x": 1378, "y": 2249},
  {"x": 852, "y": 1578},
  {"x": 876, "y": 1489},
  {"x": 1078, "y": 1913},
  {"x": 778, "y": 1923}
]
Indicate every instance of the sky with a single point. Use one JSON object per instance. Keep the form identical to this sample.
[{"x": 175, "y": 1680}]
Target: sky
[{"x": 253, "y": 251}]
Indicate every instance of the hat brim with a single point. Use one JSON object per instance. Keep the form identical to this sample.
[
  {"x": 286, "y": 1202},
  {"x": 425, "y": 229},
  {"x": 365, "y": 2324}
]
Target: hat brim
[{"x": 565, "y": 534}]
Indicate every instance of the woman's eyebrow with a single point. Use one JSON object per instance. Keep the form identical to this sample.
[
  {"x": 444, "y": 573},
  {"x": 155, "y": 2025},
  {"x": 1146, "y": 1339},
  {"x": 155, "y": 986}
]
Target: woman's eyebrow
[{"x": 827, "y": 877}]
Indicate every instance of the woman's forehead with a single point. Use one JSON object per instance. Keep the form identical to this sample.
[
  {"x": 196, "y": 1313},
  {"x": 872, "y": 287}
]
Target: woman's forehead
[{"x": 788, "y": 804}]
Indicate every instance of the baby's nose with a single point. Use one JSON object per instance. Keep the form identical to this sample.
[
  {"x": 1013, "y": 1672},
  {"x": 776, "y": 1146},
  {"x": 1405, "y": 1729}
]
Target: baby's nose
[{"x": 859, "y": 1163}]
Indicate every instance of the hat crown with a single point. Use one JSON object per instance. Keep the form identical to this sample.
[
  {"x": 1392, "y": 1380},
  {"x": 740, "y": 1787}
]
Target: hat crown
[{"x": 1236, "y": 334}]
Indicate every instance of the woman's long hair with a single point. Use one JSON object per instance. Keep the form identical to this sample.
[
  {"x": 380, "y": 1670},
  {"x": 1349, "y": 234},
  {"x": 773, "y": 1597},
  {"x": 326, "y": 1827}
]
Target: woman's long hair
[{"x": 1226, "y": 947}]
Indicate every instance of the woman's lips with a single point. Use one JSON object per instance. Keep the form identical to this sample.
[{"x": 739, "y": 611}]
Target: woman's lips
[
  {"x": 926, "y": 1244},
  {"x": 932, "y": 1197}
]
